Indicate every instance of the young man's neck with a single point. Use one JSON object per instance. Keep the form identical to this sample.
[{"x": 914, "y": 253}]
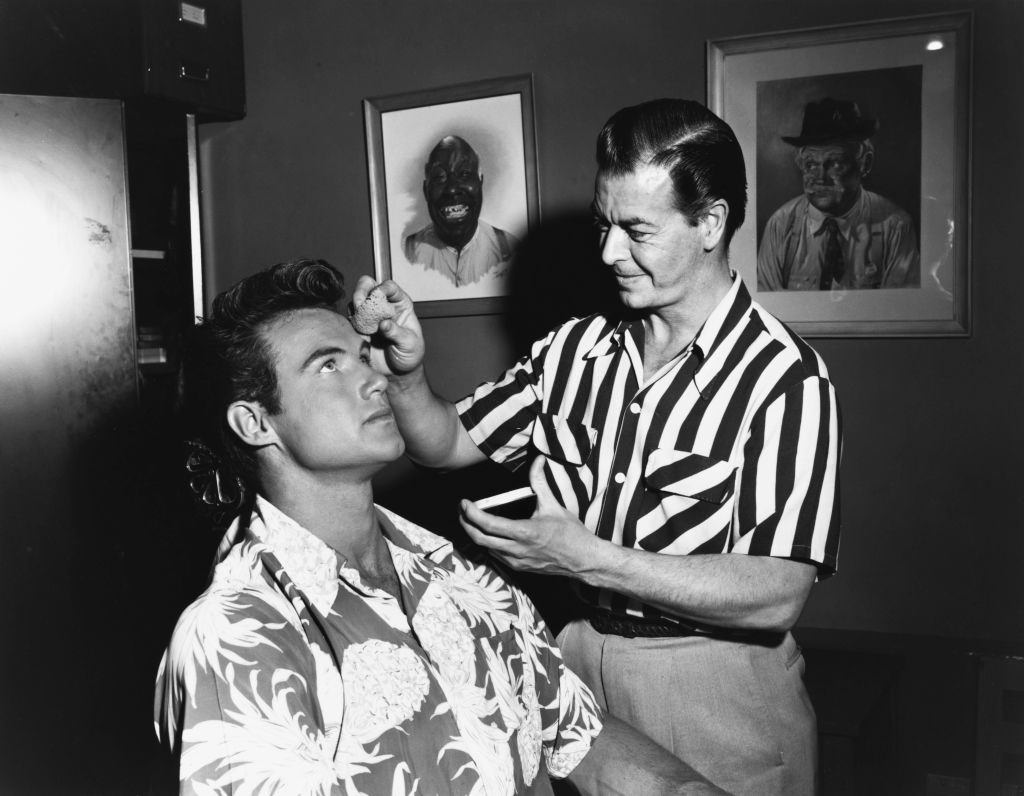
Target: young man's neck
[{"x": 338, "y": 512}]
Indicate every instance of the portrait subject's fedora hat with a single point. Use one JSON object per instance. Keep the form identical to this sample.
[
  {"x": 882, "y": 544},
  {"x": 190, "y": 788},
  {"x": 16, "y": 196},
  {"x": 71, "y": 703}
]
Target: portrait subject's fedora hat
[{"x": 832, "y": 120}]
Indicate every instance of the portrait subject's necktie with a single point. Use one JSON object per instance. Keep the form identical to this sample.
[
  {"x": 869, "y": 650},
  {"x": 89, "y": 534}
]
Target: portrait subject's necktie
[{"x": 832, "y": 266}]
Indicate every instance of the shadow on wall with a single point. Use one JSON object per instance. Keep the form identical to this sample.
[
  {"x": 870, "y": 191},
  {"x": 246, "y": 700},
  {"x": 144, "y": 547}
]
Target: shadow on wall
[{"x": 558, "y": 274}]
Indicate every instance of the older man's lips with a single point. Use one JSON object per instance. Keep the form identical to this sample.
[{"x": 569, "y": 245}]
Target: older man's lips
[{"x": 454, "y": 212}]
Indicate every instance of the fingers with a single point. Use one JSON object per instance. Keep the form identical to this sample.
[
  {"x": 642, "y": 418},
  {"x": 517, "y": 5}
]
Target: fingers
[
  {"x": 364, "y": 284},
  {"x": 390, "y": 288},
  {"x": 488, "y": 524}
]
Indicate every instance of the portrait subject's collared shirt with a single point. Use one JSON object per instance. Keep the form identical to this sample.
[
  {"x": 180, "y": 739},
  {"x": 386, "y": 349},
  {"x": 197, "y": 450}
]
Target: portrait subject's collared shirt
[
  {"x": 877, "y": 239},
  {"x": 290, "y": 674},
  {"x": 734, "y": 448},
  {"x": 488, "y": 247}
]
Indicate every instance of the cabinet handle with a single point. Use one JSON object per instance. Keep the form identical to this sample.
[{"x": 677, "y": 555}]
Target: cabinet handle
[{"x": 196, "y": 72}]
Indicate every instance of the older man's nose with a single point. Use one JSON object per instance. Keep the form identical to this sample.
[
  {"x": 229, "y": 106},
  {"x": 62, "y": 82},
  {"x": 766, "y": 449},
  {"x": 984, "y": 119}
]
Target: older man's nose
[{"x": 613, "y": 248}]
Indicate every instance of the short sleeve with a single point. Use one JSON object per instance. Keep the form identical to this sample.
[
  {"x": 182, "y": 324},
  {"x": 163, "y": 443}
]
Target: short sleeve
[
  {"x": 788, "y": 504},
  {"x": 235, "y": 698},
  {"x": 499, "y": 415}
]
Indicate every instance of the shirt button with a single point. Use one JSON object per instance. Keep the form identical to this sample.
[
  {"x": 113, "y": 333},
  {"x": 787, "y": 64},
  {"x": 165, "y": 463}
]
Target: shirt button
[
  {"x": 634, "y": 408},
  {"x": 620, "y": 478}
]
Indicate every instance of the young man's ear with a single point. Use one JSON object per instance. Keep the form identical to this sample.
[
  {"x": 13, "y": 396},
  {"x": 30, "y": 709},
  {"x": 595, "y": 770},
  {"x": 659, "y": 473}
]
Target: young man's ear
[
  {"x": 248, "y": 419},
  {"x": 712, "y": 224}
]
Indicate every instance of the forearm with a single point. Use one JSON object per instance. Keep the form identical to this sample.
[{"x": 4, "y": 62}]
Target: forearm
[
  {"x": 433, "y": 435},
  {"x": 731, "y": 590}
]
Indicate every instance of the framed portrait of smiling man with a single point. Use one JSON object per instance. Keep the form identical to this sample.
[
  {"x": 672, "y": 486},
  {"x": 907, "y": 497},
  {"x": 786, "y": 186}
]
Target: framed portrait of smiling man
[
  {"x": 856, "y": 140},
  {"x": 453, "y": 190}
]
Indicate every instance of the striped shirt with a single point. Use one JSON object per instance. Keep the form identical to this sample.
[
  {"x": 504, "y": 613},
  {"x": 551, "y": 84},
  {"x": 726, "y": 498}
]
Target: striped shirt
[{"x": 732, "y": 448}]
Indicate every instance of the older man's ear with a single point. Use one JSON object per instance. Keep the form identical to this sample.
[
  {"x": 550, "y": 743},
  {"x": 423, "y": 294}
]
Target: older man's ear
[{"x": 867, "y": 160}]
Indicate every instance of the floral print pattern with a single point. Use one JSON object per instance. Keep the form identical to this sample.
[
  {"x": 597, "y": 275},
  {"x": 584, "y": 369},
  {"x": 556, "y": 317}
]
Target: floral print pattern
[{"x": 291, "y": 675}]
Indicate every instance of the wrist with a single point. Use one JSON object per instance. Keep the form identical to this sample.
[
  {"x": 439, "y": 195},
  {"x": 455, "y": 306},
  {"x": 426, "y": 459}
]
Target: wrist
[
  {"x": 412, "y": 381},
  {"x": 601, "y": 562}
]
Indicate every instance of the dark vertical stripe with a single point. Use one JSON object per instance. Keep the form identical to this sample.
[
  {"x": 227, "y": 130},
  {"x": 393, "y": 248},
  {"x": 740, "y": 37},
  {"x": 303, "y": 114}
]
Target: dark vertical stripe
[
  {"x": 739, "y": 401},
  {"x": 747, "y": 509},
  {"x": 785, "y": 469},
  {"x": 570, "y": 340},
  {"x": 807, "y": 524}
]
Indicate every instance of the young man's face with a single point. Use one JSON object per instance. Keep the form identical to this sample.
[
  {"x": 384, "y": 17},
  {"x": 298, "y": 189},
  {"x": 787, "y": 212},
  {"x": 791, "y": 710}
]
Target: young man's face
[
  {"x": 335, "y": 414},
  {"x": 453, "y": 189},
  {"x": 652, "y": 248}
]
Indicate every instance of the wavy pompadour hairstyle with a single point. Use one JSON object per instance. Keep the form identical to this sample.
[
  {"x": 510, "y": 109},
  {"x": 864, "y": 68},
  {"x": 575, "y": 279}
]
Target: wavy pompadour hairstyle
[
  {"x": 229, "y": 358},
  {"x": 699, "y": 150}
]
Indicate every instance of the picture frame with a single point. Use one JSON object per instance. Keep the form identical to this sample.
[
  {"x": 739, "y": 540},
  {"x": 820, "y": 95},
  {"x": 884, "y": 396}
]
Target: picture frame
[
  {"x": 450, "y": 240},
  {"x": 906, "y": 79}
]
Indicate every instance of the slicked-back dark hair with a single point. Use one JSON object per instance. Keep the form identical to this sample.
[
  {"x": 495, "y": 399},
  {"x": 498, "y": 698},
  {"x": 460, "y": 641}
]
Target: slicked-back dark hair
[
  {"x": 699, "y": 150},
  {"x": 229, "y": 358}
]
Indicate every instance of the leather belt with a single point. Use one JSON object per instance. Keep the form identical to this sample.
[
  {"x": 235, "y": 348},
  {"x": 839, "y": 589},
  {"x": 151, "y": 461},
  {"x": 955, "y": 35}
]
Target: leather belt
[{"x": 633, "y": 626}]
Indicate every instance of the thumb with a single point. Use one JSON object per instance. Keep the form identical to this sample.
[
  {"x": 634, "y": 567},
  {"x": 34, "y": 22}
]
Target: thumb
[{"x": 539, "y": 484}]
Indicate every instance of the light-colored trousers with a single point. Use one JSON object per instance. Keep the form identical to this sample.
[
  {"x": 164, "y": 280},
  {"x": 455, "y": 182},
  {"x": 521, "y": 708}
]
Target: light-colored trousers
[{"x": 737, "y": 712}]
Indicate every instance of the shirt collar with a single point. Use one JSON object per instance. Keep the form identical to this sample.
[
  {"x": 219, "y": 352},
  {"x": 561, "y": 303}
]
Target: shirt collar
[
  {"x": 722, "y": 320},
  {"x": 314, "y": 566},
  {"x": 610, "y": 342},
  {"x": 469, "y": 245},
  {"x": 311, "y": 563}
]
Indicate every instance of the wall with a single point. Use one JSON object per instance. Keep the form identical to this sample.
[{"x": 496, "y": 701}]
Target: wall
[{"x": 933, "y": 464}]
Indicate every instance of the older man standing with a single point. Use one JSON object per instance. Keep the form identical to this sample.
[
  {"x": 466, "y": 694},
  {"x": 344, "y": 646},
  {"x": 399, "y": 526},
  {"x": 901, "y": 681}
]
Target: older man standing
[
  {"x": 838, "y": 234},
  {"x": 686, "y": 462},
  {"x": 457, "y": 244}
]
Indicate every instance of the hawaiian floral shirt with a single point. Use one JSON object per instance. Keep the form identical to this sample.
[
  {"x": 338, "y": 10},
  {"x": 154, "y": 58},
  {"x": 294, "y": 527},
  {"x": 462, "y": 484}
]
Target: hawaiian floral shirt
[{"x": 290, "y": 675}]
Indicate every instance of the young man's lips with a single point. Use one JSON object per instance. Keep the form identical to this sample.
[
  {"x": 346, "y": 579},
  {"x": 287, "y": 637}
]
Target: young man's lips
[{"x": 380, "y": 414}]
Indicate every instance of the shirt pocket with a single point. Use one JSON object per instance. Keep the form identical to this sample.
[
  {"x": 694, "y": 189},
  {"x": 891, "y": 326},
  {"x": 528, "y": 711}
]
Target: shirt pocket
[
  {"x": 563, "y": 440},
  {"x": 690, "y": 475}
]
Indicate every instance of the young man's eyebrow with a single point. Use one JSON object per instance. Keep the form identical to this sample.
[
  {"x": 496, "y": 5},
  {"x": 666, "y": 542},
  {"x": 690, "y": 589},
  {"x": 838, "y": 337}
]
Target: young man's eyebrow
[{"x": 321, "y": 352}]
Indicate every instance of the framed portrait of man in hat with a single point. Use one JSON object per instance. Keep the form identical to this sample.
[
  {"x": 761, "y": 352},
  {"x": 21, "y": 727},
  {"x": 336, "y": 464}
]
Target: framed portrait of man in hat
[{"x": 855, "y": 139}]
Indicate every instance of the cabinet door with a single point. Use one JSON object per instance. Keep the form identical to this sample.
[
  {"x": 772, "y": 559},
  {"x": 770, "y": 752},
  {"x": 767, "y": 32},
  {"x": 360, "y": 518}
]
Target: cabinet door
[{"x": 67, "y": 378}]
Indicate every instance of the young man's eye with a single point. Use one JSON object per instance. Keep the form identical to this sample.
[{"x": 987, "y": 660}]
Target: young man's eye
[
  {"x": 365, "y": 359},
  {"x": 329, "y": 366}
]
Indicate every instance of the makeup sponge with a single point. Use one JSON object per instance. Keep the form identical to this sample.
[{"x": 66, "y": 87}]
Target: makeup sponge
[{"x": 374, "y": 309}]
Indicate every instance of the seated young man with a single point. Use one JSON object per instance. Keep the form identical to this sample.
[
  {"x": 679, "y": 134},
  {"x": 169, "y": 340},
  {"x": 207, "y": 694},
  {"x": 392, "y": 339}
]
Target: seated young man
[{"x": 339, "y": 647}]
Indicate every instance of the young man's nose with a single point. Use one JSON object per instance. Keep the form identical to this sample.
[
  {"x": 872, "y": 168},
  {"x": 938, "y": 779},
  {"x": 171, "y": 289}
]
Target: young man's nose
[{"x": 374, "y": 384}]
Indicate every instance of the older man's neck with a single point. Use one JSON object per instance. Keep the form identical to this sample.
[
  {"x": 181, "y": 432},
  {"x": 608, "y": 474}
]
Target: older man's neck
[{"x": 670, "y": 329}]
